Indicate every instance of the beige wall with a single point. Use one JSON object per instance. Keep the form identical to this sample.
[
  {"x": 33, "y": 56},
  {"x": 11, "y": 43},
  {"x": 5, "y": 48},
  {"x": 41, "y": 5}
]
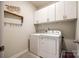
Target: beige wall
[
  {"x": 16, "y": 37},
  {"x": 67, "y": 28}
]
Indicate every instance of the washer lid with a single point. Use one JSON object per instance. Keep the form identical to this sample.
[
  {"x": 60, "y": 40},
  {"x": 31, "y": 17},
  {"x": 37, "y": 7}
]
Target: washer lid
[{"x": 55, "y": 33}]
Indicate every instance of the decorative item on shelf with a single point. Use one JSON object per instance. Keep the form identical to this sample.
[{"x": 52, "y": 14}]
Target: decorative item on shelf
[
  {"x": 13, "y": 9},
  {"x": 15, "y": 12}
]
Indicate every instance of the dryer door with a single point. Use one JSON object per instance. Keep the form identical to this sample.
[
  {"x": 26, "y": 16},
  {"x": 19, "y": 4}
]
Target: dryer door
[{"x": 47, "y": 47}]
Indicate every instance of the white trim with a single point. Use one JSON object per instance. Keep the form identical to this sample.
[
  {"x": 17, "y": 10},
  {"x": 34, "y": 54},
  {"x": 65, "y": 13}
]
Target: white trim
[
  {"x": 36, "y": 56},
  {"x": 19, "y": 54}
]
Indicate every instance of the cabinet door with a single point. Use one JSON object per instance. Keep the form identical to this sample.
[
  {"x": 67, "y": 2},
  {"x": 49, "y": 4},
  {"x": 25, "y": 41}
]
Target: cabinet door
[
  {"x": 51, "y": 12},
  {"x": 59, "y": 10},
  {"x": 70, "y": 9},
  {"x": 35, "y": 20},
  {"x": 34, "y": 44},
  {"x": 47, "y": 47},
  {"x": 41, "y": 15}
]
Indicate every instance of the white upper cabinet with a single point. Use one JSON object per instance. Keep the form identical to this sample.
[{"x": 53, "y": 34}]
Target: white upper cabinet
[
  {"x": 44, "y": 15},
  {"x": 41, "y": 15},
  {"x": 59, "y": 10},
  {"x": 55, "y": 12},
  {"x": 70, "y": 9},
  {"x": 36, "y": 17},
  {"x": 51, "y": 13}
]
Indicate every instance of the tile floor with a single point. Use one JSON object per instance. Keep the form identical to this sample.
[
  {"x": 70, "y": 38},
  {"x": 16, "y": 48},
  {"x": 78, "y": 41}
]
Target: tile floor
[{"x": 28, "y": 55}]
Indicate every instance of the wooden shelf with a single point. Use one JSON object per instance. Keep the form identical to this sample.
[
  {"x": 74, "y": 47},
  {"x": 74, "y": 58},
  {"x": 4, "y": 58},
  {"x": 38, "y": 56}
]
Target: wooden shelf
[{"x": 15, "y": 15}]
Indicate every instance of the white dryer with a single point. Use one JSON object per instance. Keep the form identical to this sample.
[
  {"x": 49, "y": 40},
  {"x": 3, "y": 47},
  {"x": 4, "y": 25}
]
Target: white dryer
[{"x": 50, "y": 45}]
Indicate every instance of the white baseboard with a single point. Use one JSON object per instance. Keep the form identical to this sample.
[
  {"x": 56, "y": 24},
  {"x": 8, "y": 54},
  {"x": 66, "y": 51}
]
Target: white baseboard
[{"x": 19, "y": 54}]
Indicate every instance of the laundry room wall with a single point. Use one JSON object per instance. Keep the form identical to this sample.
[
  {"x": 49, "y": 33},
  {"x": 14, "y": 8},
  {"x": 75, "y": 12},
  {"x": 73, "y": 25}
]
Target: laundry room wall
[
  {"x": 15, "y": 36},
  {"x": 68, "y": 29}
]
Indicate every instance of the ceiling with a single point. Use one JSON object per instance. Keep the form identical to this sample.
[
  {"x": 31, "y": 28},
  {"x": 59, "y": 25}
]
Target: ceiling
[{"x": 41, "y": 4}]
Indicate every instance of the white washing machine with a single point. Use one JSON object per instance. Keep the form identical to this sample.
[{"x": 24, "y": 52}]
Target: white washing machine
[{"x": 46, "y": 45}]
